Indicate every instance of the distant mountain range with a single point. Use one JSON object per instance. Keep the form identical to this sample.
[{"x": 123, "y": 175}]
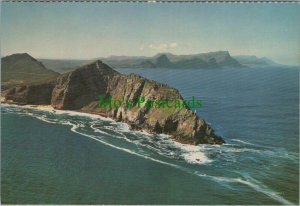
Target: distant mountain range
[
  {"x": 254, "y": 61},
  {"x": 23, "y": 67},
  {"x": 167, "y": 60},
  {"x": 211, "y": 60}
]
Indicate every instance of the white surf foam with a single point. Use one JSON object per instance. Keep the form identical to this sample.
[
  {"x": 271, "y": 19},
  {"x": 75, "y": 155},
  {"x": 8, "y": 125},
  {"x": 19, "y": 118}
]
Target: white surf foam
[
  {"x": 98, "y": 130},
  {"x": 82, "y": 114},
  {"x": 260, "y": 187},
  {"x": 256, "y": 185},
  {"x": 240, "y": 150},
  {"x": 192, "y": 153},
  {"x": 48, "y": 108},
  {"x": 74, "y": 127},
  {"x": 196, "y": 157},
  {"x": 252, "y": 183},
  {"x": 241, "y": 141},
  {"x": 252, "y": 144}
]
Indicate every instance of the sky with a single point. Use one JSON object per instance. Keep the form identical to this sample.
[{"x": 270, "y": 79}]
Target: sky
[{"x": 93, "y": 30}]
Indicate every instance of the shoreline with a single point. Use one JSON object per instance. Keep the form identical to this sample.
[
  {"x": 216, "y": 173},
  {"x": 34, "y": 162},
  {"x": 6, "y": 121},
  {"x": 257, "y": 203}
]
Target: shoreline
[
  {"x": 49, "y": 108},
  {"x": 132, "y": 126},
  {"x": 183, "y": 146}
]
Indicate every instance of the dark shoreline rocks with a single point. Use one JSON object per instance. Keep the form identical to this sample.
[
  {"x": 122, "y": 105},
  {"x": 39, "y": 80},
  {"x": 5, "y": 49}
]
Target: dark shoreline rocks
[
  {"x": 79, "y": 90},
  {"x": 30, "y": 94}
]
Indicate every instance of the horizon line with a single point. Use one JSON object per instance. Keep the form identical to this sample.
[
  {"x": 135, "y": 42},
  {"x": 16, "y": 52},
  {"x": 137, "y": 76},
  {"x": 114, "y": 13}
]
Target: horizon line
[{"x": 123, "y": 55}]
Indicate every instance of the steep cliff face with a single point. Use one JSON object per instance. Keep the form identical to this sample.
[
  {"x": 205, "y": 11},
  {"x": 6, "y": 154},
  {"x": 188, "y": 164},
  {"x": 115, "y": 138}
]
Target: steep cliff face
[
  {"x": 82, "y": 86},
  {"x": 31, "y": 94},
  {"x": 80, "y": 90}
]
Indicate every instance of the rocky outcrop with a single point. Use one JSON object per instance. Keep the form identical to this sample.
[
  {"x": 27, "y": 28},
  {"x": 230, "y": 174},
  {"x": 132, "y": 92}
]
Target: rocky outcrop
[
  {"x": 82, "y": 86},
  {"x": 80, "y": 90},
  {"x": 31, "y": 94}
]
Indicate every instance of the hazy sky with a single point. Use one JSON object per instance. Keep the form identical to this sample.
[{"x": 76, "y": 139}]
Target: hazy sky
[{"x": 90, "y": 30}]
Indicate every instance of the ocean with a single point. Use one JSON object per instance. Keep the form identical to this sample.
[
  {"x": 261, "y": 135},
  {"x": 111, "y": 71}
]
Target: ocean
[{"x": 62, "y": 157}]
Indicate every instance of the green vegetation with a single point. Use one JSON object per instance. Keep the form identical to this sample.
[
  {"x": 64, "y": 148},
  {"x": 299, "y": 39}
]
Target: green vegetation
[{"x": 24, "y": 69}]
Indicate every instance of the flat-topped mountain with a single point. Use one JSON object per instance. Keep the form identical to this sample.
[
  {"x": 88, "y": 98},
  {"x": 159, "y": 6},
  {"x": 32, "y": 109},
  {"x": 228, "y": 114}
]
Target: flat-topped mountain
[
  {"x": 80, "y": 90},
  {"x": 23, "y": 68}
]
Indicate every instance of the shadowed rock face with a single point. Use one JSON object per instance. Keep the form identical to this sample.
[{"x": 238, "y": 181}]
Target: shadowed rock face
[
  {"x": 82, "y": 86},
  {"x": 80, "y": 90},
  {"x": 31, "y": 94}
]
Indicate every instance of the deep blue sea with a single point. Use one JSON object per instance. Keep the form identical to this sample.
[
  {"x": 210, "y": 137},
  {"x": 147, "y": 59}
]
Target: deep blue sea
[{"x": 60, "y": 157}]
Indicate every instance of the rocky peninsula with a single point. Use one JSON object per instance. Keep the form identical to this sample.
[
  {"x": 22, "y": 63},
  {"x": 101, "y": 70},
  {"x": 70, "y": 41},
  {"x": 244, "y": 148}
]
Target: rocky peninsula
[{"x": 79, "y": 90}]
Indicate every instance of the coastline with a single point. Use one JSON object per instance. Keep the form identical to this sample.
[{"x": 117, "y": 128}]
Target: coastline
[
  {"x": 192, "y": 153},
  {"x": 97, "y": 78},
  {"x": 49, "y": 108},
  {"x": 131, "y": 126},
  {"x": 231, "y": 153}
]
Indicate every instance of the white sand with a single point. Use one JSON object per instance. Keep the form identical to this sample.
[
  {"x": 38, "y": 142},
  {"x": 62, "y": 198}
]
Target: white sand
[{"x": 45, "y": 107}]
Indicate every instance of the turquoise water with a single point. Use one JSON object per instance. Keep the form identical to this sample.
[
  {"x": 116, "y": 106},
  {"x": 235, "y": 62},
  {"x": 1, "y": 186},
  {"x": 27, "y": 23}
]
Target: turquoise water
[{"x": 70, "y": 158}]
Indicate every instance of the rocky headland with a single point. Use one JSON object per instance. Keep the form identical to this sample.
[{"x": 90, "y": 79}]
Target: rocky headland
[{"x": 80, "y": 90}]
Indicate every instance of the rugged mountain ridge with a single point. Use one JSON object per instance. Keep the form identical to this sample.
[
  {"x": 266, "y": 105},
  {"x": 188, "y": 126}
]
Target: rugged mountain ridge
[
  {"x": 80, "y": 90},
  {"x": 209, "y": 60}
]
